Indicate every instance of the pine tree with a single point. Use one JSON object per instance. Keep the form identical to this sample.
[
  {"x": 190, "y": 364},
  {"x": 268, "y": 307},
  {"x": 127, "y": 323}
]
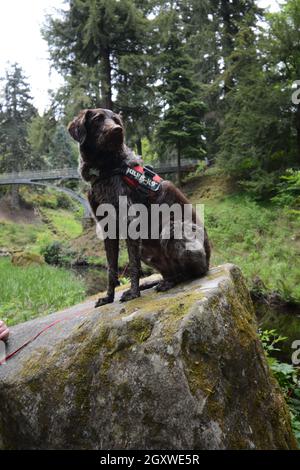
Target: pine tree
[
  {"x": 213, "y": 27},
  {"x": 283, "y": 50},
  {"x": 202, "y": 32},
  {"x": 256, "y": 143},
  {"x": 137, "y": 95},
  {"x": 40, "y": 134},
  {"x": 229, "y": 18},
  {"x": 95, "y": 33},
  {"x": 62, "y": 152},
  {"x": 16, "y": 111},
  {"x": 181, "y": 127}
]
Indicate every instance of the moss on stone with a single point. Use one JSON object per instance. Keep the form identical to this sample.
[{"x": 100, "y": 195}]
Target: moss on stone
[
  {"x": 103, "y": 381},
  {"x": 172, "y": 315},
  {"x": 141, "y": 328}
]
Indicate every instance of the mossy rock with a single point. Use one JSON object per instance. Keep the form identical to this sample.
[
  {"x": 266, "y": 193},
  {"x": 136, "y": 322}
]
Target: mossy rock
[
  {"x": 27, "y": 259},
  {"x": 183, "y": 369}
]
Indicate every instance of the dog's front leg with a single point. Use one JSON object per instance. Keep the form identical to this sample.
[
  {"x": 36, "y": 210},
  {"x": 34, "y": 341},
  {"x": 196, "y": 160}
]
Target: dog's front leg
[
  {"x": 112, "y": 255},
  {"x": 134, "y": 255}
]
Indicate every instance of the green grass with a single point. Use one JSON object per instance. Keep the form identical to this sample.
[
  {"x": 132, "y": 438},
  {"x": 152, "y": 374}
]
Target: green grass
[
  {"x": 262, "y": 240},
  {"x": 23, "y": 236},
  {"x": 64, "y": 222},
  {"x": 61, "y": 225},
  {"x": 35, "y": 291}
]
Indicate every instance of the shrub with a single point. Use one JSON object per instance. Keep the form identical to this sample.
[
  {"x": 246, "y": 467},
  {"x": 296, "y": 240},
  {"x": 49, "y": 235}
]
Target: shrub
[
  {"x": 262, "y": 185},
  {"x": 287, "y": 375},
  {"x": 58, "y": 253},
  {"x": 288, "y": 194}
]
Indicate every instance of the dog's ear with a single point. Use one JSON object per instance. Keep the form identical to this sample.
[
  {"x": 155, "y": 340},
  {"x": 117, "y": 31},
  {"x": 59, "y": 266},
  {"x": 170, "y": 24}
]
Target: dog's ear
[
  {"x": 77, "y": 128},
  {"x": 120, "y": 114}
]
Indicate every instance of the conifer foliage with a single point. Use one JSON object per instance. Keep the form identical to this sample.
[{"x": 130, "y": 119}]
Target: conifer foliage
[{"x": 209, "y": 78}]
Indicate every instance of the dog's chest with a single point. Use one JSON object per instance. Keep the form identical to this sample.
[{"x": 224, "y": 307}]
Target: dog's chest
[{"x": 110, "y": 191}]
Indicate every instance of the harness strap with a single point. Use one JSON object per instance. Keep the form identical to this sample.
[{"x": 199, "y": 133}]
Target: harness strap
[{"x": 137, "y": 177}]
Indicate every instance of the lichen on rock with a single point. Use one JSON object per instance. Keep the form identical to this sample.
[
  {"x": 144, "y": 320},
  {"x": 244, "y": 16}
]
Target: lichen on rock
[{"x": 182, "y": 369}]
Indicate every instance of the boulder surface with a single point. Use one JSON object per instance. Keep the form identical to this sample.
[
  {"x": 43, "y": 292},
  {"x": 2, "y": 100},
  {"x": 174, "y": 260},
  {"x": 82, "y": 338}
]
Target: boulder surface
[{"x": 182, "y": 369}]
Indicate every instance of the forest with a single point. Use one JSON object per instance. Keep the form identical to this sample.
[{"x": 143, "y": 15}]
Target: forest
[
  {"x": 215, "y": 81},
  {"x": 192, "y": 79}
]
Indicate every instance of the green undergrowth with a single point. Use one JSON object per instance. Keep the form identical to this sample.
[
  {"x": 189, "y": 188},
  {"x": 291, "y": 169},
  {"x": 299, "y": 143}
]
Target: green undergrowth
[
  {"x": 263, "y": 240},
  {"x": 287, "y": 375},
  {"x": 28, "y": 292}
]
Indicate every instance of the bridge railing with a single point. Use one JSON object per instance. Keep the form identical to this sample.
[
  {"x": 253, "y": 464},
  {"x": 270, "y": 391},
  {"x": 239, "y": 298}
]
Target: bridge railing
[
  {"x": 41, "y": 174},
  {"x": 61, "y": 173}
]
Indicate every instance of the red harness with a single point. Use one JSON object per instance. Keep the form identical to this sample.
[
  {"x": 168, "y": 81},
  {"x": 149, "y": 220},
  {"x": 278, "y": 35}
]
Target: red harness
[{"x": 139, "y": 177}]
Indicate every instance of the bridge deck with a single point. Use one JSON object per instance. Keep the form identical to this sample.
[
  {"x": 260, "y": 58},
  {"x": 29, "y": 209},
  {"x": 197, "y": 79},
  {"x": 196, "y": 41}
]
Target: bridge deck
[
  {"x": 26, "y": 177},
  {"x": 46, "y": 178}
]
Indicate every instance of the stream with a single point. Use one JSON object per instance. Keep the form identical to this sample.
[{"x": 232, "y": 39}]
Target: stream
[{"x": 94, "y": 278}]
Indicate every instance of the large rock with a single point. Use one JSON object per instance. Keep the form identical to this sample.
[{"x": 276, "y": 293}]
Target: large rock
[
  {"x": 26, "y": 259},
  {"x": 179, "y": 370}
]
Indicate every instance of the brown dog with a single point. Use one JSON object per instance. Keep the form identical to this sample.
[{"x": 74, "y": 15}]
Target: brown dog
[{"x": 103, "y": 158}]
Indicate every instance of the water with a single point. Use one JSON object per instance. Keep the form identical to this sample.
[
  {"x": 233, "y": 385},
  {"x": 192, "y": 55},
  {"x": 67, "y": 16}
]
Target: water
[{"x": 94, "y": 278}]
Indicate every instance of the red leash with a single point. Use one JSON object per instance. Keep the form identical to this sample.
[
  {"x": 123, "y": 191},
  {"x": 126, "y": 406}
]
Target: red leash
[{"x": 9, "y": 356}]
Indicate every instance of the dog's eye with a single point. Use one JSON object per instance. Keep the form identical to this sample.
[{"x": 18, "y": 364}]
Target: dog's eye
[
  {"x": 117, "y": 119},
  {"x": 98, "y": 117}
]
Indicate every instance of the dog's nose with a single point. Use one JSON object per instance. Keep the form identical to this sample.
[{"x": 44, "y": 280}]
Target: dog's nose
[{"x": 117, "y": 130}]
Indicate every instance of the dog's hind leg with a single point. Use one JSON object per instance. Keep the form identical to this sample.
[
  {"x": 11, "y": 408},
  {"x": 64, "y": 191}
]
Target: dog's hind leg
[{"x": 190, "y": 262}]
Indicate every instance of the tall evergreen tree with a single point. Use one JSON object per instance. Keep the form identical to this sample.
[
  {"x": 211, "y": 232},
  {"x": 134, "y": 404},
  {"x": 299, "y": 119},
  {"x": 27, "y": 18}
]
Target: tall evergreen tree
[
  {"x": 136, "y": 88},
  {"x": 181, "y": 128},
  {"x": 230, "y": 17},
  {"x": 257, "y": 141},
  {"x": 284, "y": 55},
  {"x": 95, "y": 33},
  {"x": 16, "y": 111},
  {"x": 62, "y": 152},
  {"x": 214, "y": 28},
  {"x": 40, "y": 134}
]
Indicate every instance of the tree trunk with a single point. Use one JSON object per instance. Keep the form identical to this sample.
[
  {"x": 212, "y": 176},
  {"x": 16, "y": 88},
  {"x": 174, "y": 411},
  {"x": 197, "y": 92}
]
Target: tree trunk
[
  {"x": 106, "y": 99},
  {"x": 227, "y": 42},
  {"x": 139, "y": 146},
  {"x": 178, "y": 164}
]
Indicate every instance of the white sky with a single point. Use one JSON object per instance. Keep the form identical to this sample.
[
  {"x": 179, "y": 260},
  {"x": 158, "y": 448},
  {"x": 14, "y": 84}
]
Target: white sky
[{"x": 21, "y": 41}]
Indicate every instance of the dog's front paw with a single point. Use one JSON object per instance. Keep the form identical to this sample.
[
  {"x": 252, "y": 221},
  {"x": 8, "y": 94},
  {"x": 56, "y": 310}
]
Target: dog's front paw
[
  {"x": 104, "y": 301},
  {"x": 164, "y": 285},
  {"x": 129, "y": 295}
]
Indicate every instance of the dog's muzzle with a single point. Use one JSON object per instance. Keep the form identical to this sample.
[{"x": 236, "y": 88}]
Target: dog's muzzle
[{"x": 113, "y": 136}]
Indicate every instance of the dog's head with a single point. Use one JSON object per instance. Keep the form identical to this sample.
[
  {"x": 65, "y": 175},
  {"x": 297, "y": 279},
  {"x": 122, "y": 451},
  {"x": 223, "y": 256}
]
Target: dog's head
[{"x": 99, "y": 130}]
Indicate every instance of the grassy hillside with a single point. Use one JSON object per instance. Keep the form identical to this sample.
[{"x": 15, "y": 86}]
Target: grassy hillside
[
  {"x": 30, "y": 291},
  {"x": 27, "y": 292},
  {"x": 264, "y": 240}
]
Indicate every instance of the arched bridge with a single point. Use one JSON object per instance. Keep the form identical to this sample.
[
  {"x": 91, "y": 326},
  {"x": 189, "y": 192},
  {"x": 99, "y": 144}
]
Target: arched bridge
[{"x": 47, "y": 178}]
